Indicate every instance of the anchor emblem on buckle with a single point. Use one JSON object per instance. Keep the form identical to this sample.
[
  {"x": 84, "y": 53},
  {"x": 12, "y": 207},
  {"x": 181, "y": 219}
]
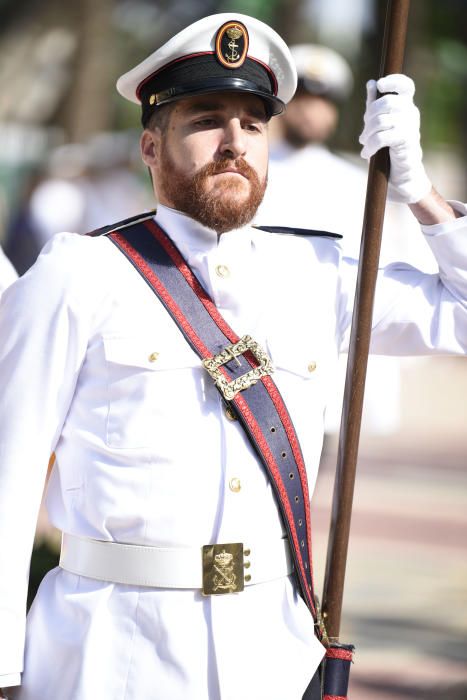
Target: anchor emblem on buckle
[{"x": 223, "y": 569}]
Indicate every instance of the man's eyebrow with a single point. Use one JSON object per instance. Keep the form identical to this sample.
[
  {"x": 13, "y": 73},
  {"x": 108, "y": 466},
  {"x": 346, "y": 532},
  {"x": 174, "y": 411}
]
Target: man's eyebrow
[
  {"x": 257, "y": 113},
  {"x": 212, "y": 106},
  {"x": 204, "y": 107}
]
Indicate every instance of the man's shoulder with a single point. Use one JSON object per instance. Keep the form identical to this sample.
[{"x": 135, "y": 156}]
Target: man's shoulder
[
  {"x": 118, "y": 225},
  {"x": 295, "y": 231},
  {"x": 70, "y": 263},
  {"x": 302, "y": 246},
  {"x": 63, "y": 274}
]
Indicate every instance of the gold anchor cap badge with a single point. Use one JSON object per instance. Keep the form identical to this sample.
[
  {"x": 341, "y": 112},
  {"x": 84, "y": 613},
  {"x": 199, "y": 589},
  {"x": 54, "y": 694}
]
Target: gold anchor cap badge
[{"x": 232, "y": 44}]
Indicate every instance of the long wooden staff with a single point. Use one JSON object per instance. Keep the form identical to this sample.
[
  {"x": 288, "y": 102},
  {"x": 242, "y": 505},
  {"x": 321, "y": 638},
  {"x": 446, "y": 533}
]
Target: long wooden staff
[{"x": 392, "y": 59}]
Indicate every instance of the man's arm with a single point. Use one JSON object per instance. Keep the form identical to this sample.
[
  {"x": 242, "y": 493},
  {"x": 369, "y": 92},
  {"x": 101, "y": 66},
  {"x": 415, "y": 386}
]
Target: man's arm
[
  {"x": 414, "y": 313},
  {"x": 433, "y": 209},
  {"x": 44, "y": 328}
]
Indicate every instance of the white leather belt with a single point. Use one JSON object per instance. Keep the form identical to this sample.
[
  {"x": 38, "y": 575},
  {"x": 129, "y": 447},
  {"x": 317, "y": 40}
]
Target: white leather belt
[{"x": 215, "y": 569}]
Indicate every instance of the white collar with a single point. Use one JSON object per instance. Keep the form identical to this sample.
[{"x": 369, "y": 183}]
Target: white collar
[{"x": 192, "y": 238}]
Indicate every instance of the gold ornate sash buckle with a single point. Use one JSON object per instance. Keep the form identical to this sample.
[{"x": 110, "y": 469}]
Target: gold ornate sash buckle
[
  {"x": 230, "y": 389},
  {"x": 223, "y": 569}
]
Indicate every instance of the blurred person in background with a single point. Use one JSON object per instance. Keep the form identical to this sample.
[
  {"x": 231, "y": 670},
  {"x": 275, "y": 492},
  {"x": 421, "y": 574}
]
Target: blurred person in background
[
  {"x": 304, "y": 174},
  {"x": 80, "y": 186},
  {"x": 151, "y": 462},
  {"x": 87, "y": 183}
]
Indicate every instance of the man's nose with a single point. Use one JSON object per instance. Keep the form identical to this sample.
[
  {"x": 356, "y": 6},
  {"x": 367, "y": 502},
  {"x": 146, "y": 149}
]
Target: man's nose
[{"x": 233, "y": 143}]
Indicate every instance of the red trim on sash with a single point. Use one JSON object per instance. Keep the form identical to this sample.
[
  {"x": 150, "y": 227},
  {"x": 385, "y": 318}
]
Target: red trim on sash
[
  {"x": 290, "y": 431},
  {"x": 260, "y": 439},
  {"x": 335, "y": 697},
  {"x": 192, "y": 280},
  {"x": 168, "y": 299},
  {"x": 181, "y": 318}
]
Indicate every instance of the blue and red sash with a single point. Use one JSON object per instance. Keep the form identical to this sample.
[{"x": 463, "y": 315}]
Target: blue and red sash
[{"x": 259, "y": 407}]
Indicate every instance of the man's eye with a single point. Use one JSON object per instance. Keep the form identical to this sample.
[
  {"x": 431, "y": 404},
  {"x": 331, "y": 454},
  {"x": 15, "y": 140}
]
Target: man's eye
[{"x": 252, "y": 127}]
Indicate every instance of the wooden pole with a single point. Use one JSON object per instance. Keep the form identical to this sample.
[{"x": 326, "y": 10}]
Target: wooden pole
[{"x": 392, "y": 60}]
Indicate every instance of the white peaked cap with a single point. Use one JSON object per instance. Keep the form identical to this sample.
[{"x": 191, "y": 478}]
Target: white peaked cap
[
  {"x": 223, "y": 52},
  {"x": 322, "y": 71}
]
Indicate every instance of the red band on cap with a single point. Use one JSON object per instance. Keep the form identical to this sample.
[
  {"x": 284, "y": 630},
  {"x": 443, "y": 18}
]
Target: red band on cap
[
  {"x": 268, "y": 70},
  {"x": 167, "y": 65}
]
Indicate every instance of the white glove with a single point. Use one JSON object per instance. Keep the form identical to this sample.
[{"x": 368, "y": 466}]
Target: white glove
[{"x": 394, "y": 121}]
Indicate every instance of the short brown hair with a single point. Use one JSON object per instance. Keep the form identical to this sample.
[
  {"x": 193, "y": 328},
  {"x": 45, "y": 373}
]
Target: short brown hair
[{"x": 159, "y": 119}]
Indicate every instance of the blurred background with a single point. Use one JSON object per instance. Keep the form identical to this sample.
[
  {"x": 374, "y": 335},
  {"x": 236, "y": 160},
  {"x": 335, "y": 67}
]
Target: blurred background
[{"x": 69, "y": 161}]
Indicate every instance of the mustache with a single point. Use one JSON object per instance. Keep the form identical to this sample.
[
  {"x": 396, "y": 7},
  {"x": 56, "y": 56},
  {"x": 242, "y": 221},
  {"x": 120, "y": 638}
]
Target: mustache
[{"x": 219, "y": 166}]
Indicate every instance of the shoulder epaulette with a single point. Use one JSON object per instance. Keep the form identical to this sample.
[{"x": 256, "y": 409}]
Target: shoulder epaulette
[
  {"x": 122, "y": 224},
  {"x": 298, "y": 231}
]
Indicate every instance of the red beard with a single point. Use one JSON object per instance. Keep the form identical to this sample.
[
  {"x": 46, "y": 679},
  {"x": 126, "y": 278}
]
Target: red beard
[{"x": 216, "y": 209}]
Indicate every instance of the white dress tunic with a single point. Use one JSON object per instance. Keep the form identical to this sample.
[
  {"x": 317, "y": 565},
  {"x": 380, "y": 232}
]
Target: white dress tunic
[{"x": 146, "y": 453}]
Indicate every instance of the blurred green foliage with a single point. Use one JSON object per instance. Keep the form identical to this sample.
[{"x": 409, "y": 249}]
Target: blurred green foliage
[
  {"x": 445, "y": 93},
  {"x": 264, "y": 10}
]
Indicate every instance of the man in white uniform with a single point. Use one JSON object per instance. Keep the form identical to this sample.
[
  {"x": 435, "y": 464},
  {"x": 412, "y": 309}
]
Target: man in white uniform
[{"x": 150, "y": 464}]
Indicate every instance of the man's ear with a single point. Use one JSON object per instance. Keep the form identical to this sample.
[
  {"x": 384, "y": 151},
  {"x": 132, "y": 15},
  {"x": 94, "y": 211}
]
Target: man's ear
[{"x": 150, "y": 145}]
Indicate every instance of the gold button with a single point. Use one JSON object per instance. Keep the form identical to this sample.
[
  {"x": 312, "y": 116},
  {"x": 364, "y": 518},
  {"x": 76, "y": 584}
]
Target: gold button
[
  {"x": 153, "y": 356},
  {"x": 312, "y": 366},
  {"x": 248, "y": 577},
  {"x": 152, "y": 99},
  {"x": 234, "y": 484},
  {"x": 229, "y": 413},
  {"x": 222, "y": 271}
]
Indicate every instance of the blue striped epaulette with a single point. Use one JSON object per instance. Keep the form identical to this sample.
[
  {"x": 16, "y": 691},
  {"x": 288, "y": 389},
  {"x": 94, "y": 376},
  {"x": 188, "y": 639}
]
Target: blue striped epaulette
[
  {"x": 298, "y": 231},
  {"x": 122, "y": 224}
]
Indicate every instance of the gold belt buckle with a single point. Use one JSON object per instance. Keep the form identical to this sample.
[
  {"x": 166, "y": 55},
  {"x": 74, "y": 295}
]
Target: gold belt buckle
[
  {"x": 223, "y": 569},
  {"x": 231, "y": 352}
]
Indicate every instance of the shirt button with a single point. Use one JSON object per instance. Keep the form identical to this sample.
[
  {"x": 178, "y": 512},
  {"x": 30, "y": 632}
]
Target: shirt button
[
  {"x": 234, "y": 484},
  {"x": 153, "y": 356},
  {"x": 222, "y": 271},
  {"x": 312, "y": 366}
]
